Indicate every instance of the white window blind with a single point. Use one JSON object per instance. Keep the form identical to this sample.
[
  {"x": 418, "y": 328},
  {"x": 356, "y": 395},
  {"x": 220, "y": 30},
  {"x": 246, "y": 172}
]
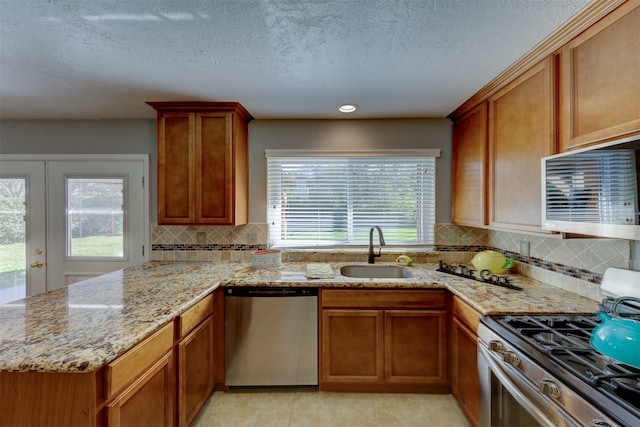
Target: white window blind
[
  {"x": 334, "y": 198},
  {"x": 592, "y": 187}
]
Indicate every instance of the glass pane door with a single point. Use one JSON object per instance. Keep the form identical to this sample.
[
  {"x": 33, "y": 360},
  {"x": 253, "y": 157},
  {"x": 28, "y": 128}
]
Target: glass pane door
[
  {"x": 13, "y": 239},
  {"x": 22, "y": 230},
  {"x": 95, "y": 218}
]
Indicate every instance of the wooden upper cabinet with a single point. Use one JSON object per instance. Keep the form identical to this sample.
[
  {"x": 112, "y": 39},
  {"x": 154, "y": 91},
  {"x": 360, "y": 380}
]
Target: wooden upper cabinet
[
  {"x": 202, "y": 163},
  {"x": 601, "y": 80},
  {"x": 521, "y": 131},
  {"x": 469, "y": 168}
]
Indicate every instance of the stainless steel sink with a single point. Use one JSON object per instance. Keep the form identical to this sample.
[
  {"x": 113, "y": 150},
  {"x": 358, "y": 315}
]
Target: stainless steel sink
[{"x": 376, "y": 271}]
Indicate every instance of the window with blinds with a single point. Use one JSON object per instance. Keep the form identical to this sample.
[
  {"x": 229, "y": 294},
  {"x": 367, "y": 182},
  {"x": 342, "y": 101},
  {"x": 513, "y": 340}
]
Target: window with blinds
[
  {"x": 334, "y": 198},
  {"x": 593, "y": 187}
]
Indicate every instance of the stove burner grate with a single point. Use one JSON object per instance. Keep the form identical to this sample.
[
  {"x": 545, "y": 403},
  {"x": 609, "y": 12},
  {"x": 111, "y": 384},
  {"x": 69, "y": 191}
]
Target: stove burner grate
[
  {"x": 484, "y": 276},
  {"x": 565, "y": 339}
]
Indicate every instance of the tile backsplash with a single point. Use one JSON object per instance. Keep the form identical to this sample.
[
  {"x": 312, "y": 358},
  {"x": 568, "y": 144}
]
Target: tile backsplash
[
  {"x": 206, "y": 242},
  {"x": 576, "y": 265}
]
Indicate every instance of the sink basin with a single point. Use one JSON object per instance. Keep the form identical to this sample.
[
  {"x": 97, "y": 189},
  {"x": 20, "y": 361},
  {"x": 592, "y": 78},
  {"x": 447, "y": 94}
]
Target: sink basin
[{"x": 376, "y": 271}]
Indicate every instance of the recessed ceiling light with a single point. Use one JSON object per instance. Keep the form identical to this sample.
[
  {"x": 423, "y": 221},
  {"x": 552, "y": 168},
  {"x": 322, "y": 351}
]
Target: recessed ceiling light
[{"x": 348, "y": 108}]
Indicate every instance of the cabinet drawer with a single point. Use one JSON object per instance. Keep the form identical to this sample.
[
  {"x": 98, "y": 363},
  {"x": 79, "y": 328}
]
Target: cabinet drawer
[
  {"x": 135, "y": 361},
  {"x": 468, "y": 316},
  {"x": 371, "y": 299},
  {"x": 196, "y": 314}
]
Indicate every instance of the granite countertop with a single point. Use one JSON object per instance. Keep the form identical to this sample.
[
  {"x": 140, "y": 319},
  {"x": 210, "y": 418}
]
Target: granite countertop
[
  {"x": 535, "y": 297},
  {"x": 82, "y": 327}
]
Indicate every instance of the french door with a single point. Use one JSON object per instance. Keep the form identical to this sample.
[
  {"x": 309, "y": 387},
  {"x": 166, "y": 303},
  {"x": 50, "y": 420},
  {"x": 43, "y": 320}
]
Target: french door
[
  {"x": 22, "y": 230},
  {"x": 81, "y": 218}
]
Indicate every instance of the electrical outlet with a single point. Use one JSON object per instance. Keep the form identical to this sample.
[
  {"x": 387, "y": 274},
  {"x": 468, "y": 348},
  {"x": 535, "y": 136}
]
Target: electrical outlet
[
  {"x": 525, "y": 247},
  {"x": 201, "y": 238}
]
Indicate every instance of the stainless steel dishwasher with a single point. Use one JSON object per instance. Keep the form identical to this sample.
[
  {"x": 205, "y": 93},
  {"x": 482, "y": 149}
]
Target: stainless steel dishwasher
[{"x": 271, "y": 336}]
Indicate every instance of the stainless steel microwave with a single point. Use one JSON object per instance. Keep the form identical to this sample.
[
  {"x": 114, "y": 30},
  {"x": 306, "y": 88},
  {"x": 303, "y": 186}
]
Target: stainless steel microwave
[{"x": 593, "y": 191}]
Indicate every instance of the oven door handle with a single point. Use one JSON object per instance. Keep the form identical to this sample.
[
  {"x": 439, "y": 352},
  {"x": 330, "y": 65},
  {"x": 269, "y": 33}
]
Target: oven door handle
[{"x": 522, "y": 395}]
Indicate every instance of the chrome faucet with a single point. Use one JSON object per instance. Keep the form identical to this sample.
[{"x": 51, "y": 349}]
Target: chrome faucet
[{"x": 372, "y": 255}]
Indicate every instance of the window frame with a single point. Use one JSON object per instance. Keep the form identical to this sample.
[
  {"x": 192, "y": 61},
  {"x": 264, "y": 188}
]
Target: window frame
[{"x": 393, "y": 155}]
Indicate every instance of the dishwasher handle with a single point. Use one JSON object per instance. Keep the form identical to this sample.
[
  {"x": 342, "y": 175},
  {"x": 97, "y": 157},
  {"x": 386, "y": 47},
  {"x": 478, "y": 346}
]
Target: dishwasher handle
[{"x": 269, "y": 291}]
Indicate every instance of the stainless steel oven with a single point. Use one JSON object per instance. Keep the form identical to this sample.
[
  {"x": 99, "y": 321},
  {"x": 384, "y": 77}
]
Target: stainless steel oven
[
  {"x": 517, "y": 391},
  {"x": 541, "y": 370}
]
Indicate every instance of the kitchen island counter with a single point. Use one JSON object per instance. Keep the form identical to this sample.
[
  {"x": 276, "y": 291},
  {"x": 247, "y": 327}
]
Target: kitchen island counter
[
  {"x": 84, "y": 326},
  {"x": 81, "y": 327}
]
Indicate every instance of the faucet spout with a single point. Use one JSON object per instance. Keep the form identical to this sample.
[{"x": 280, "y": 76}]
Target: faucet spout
[{"x": 372, "y": 254}]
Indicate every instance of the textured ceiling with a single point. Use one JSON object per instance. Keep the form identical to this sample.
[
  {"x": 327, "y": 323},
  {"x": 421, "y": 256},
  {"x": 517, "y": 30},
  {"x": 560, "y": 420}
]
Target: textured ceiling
[{"x": 94, "y": 59}]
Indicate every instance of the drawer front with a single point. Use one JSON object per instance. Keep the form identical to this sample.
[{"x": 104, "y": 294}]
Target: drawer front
[
  {"x": 130, "y": 365},
  {"x": 466, "y": 314},
  {"x": 196, "y": 314},
  {"x": 382, "y": 299}
]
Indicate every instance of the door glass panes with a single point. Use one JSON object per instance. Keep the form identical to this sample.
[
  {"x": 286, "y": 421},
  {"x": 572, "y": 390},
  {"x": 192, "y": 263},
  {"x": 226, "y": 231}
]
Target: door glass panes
[
  {"x": 95, "y": 217},
  {"x": 13, "y": 259}
]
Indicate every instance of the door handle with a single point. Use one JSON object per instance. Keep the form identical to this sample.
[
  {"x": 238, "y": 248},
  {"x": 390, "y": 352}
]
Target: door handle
[{"x": 37, "y": 264}]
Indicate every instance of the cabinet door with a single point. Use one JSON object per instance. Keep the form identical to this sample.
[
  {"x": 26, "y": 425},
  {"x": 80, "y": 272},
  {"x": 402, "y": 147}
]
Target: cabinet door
[
  {"x": 195, "y": 372},
  {"x": 464, "y": 369},
  {"x": 149, "y": 401},
  {"x": 214, "y": 170},
  {"x": 415, "y": 346},
  {"x": 469, "y": 168},
  {"x": 521, "y": 132},
  {"x": 176, "y": 168},
  {"x": 352, "y": 346},
  {"x": 600, "y": 80}
]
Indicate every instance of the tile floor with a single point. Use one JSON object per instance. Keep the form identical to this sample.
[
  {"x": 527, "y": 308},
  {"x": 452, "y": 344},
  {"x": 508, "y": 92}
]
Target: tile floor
[{"x": 310, "y": 408}]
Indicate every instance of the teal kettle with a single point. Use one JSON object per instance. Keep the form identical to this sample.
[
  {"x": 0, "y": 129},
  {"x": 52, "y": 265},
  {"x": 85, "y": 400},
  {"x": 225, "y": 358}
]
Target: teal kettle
[{"x": 618, "y": 337}]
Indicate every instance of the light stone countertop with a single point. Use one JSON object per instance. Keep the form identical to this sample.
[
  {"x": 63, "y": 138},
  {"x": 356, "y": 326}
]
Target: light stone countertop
[{"x": 82, "y": 327}]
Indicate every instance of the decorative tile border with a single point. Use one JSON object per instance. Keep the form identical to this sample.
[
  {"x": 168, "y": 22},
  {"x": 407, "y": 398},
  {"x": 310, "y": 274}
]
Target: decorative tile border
[
  {"x": 211, "y": 247},
  {"x": 578, "y": 273}
]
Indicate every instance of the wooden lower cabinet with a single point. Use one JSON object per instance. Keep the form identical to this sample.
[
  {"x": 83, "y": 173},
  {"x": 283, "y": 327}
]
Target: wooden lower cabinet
[
  {"x": 140, "y": 384},
  {"x": 464, "y": 358},
  {"x": 352, "y": 346},
  {"x": 415, "y": 346},
  {"x": 196, "y": 359},
  {"x": 195, "y": 371},
  {"x": 50, "y": 399},
  {"x": 370, "y": 348},
  {"x": 149, "y": 401}
]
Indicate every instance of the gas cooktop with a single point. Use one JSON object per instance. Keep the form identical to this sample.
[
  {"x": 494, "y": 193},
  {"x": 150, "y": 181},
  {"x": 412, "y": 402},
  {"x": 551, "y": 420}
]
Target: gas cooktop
[{"x": 565, "y": 340}]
